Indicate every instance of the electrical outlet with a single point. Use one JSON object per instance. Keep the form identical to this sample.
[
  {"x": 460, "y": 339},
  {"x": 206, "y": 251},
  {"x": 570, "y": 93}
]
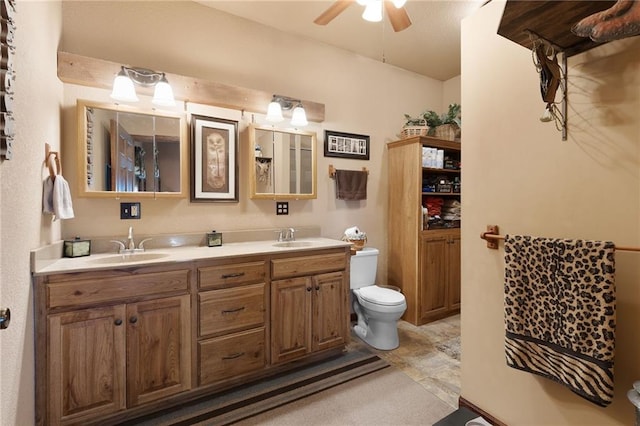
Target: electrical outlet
[
  {"x": 130, "y": 211},
  {"x": 282, "y": 207}
]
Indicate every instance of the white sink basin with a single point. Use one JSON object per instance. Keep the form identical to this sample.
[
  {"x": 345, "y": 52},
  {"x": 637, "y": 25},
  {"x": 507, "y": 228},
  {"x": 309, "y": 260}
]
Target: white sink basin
[
  {"x": 292, "y": 244},
  {"x": 128, "y": 258}
]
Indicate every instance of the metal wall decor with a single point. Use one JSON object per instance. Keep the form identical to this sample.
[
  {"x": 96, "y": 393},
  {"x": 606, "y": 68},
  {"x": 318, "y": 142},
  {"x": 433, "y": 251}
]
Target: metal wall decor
[{"x": 7, "y": 76}]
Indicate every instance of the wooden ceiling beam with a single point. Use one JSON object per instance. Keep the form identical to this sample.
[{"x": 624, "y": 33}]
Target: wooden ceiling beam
[{"x": 93, "y": 72}]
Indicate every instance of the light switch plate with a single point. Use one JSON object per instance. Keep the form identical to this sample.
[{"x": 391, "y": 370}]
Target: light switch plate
[{"x": 130, "y": 211}]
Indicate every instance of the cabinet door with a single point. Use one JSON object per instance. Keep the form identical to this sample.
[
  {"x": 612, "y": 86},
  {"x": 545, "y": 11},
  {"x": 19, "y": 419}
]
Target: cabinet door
[
  {"x": 433, "y": 276},
  {"x": 453, "y": 272},
  {"x": 159, "y": 347},
  {"x": 329, "y": 311},
  {"x": 86, "y": 364},
  {"x": 290, "y": 318}
]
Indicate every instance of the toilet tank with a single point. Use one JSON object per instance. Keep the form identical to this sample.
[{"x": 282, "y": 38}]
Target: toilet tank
[{"x": 363, "y": 267}]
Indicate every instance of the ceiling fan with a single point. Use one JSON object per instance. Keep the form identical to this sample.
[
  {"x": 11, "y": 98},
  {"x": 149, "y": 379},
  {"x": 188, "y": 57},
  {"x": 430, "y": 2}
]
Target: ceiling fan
[{"x": 373, "y": 12}]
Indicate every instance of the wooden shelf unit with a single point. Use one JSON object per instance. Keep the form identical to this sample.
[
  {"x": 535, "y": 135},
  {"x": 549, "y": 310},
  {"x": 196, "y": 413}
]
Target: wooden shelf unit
[{"x": 424, "y": 264}]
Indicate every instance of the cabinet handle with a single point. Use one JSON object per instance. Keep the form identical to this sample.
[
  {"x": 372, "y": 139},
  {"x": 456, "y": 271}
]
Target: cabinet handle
[
  {"x": 233, "y": 356},
  {"x": 234, "y": 275},
  {"x": 230, "y": 311},
  {"x": 309, "y": 289},
  {"x": 133, "y": 320},
  {"x": 317, "y": 288},
  {"x": 118, "y": 322}
]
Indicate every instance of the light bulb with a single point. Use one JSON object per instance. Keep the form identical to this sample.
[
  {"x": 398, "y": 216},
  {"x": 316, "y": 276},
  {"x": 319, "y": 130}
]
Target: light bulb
[
  {"x": 373, "y": 11},
  {"x": 123, "y": 89},
  {"x": 163, "y": 93},
  {"x": 274, "y": 112},
  {"x": 299, "y": 116},
  {"x": 399, "y": 3}
]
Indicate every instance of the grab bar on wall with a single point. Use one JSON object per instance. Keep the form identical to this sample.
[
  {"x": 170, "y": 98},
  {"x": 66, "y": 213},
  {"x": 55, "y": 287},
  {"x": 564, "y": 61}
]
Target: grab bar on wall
[{"x": 491, "y": 236}]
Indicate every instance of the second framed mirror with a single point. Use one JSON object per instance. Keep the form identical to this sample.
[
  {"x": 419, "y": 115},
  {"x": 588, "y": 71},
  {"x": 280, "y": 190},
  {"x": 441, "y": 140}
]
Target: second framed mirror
[{"x": 282, "y": 163}]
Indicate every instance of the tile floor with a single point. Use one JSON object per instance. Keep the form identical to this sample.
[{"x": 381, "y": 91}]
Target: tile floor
[{"x": 430, "y": 355}]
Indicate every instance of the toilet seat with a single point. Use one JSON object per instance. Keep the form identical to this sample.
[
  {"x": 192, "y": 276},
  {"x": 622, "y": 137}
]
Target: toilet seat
[{"x": 381, "y": 296}]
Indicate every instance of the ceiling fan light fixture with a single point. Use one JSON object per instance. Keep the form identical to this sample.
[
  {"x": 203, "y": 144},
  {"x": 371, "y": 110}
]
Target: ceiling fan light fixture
[{"x": 373, "y": 11}]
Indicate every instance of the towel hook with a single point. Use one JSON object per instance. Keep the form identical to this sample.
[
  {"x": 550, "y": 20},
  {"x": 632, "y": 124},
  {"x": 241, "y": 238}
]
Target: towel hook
[{"x": 48, "y": 161}]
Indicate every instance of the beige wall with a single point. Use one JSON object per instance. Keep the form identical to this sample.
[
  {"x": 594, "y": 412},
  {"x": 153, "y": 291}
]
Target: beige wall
[
  {"x": 520, "y": 175},
  {"x": 38, "y": 94},
  {"x": 360, "y": 96}
]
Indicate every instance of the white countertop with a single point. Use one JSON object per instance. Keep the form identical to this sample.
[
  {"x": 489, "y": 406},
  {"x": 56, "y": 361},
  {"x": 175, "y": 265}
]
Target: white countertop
[{"x": 177, "y": 254}]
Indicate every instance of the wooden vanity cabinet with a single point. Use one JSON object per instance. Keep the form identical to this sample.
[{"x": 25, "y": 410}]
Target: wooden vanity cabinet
[
  {"x": 109, "y": 341},
  {"x": 232, "y": 319},
  {"x": 115, "y": 344},
  {"x": 309, "y": 305}
]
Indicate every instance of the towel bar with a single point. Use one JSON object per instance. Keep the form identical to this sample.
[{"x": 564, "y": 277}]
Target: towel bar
[
  {"x": 491, "y": 236},
  {"x": 47, "y": 160},
  {"x": 332, "y": 171}
]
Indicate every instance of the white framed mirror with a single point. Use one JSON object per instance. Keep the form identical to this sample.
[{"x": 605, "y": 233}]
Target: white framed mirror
[
  {"x": 128, "y": 152},
  {"x": 282, "y": 163}
]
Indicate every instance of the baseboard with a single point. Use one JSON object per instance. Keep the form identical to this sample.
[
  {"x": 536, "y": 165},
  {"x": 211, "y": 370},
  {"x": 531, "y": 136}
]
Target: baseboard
[{"x": 480, "y": 412}]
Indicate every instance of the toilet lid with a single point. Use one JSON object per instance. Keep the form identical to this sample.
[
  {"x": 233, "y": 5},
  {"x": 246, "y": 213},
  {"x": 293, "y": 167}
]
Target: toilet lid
[{"x": 381, "y": 296}]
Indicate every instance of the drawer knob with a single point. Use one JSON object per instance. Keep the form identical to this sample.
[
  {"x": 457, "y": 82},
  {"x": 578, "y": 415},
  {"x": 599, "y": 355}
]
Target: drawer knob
[
  {"x": 231, "y": 311},
  {"x": 118, "y": 322},
  {"x": 133, "y": 320},
  {"x": 308, "y": 288}
]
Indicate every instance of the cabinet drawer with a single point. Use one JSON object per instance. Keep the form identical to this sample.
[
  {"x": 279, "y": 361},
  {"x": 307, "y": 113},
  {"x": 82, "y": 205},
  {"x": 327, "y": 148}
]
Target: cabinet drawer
[
  {"x": 232, "y": 355},
  {"x": 229, "y": 309},
  {"x": 226, "y": 275},
  {"x": 308, "y": 265},
  {"x": 95, "y": 290}
]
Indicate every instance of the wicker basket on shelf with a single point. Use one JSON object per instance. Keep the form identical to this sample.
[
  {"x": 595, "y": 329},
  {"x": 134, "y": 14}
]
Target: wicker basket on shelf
[
  {"x": 411, "y": 131},
  {"x": 447, "y": 132}
]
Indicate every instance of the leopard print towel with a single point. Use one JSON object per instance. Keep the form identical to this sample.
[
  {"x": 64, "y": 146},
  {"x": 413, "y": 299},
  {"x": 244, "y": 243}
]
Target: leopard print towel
[{"x": 560, "y": 312}]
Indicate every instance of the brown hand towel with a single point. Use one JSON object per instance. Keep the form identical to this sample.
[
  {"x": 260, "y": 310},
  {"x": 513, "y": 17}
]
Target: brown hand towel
[
  {"x": 351, "y": 185},
  {"x": 560, "y": 312}
]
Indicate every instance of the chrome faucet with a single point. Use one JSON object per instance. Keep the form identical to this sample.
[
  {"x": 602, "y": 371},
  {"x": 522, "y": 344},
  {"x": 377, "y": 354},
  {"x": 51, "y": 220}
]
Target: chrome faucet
[
  {"x": 130, "y": 246},
  {"x": 131, "y": 243},
  {"x": 286, "y": 234}
]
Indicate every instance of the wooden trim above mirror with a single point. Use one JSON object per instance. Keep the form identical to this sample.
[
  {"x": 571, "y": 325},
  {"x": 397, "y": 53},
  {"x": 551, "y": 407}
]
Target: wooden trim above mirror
[
  {"x": 92, "y": 72},
  {"x": 140, "y": 170}
]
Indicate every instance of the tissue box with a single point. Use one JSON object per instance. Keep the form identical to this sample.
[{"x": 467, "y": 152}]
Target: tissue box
[{"x": 77, "y": 247}]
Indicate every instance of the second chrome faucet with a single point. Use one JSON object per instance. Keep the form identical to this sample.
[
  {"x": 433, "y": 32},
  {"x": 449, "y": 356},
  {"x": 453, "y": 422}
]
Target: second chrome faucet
[
  {"x": 130, "y": 246},
  {"x": 286, "y": 234}
]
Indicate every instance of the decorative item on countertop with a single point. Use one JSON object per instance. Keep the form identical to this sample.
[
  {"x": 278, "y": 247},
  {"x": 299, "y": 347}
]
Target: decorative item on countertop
[
  {"x": 77, "y": 247},
  {"x": 214, "y": 239},
  {"x": 356, "y": 237}
]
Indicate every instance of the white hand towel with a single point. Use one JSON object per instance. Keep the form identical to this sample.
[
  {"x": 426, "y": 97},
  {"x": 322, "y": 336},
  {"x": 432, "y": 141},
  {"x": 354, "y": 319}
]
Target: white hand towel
[
  {"x": 62, "y": 205},
  {"x": 47, "y": 195}
]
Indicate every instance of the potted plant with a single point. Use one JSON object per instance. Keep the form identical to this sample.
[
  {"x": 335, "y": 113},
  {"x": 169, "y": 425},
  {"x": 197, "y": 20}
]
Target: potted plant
[{"x": 444, "y": 126}]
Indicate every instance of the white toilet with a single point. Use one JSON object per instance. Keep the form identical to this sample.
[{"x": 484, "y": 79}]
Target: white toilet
[{"x": 378, "y": 308}]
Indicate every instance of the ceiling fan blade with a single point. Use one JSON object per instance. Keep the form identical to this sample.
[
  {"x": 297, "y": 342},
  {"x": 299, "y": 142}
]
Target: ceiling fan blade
[
  {"x": 398, "y": 17},
  {"x": 334, "y": 10}
]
